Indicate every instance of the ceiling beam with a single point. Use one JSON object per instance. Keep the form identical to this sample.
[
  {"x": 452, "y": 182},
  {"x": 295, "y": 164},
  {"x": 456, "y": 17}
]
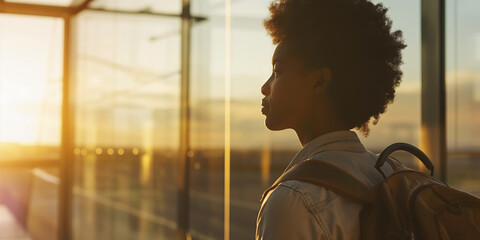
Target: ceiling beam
[
  {"x": 144, "y": 12},
  {"x": 35, "y": 9},
  {"x": 75, "y": 3},
  {"x": 44, "y": 10},
  {"x": 80, "y": 5},
  {"x": 77, "y": 6}
]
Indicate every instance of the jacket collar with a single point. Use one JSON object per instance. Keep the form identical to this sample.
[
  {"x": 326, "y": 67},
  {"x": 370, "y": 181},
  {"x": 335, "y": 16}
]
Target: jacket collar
[{"x": 347, "y": 141}]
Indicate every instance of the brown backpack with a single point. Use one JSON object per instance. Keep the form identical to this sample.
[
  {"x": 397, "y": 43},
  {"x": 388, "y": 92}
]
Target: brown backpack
[{"x": 408, "y": 204}]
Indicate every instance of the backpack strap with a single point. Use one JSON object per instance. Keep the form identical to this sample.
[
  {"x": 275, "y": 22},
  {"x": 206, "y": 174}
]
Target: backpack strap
[
  {"x": 405, "y": 147},
  {"x": 326, "y": 175}
]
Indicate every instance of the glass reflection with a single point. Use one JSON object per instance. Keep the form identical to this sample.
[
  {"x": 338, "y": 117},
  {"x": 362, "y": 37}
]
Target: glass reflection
[
  {"x": 206, "y": 210},
  {"x": 30, "y": 123},
  {"x": 29, "y": 203},
  {"x": 258, "y": 156},
  {"x": 126, "y": 126},
  {"x": 30, "y": 87},
  {"x": 463, "y": 94},
  {"x": 401, "y": 122}
]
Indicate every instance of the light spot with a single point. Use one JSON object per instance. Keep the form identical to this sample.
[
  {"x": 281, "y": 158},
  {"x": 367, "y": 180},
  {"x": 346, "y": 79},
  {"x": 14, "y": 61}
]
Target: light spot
[
  {"x": 110, "y": 151},
  {"x": 135, "y": 151},
  {"x": 196, "y": 165},
  {"x": 98, "y": 151},
  {"x": 120, "y": 151}
]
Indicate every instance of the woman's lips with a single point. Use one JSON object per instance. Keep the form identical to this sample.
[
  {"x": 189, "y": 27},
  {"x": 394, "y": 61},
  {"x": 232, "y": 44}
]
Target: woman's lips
[
  {"x": 265, "y": 110},
  {"x": 265, "y": 107}
]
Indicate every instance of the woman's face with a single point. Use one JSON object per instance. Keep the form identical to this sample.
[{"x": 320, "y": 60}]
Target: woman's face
[{"x": 288, "y": 94}]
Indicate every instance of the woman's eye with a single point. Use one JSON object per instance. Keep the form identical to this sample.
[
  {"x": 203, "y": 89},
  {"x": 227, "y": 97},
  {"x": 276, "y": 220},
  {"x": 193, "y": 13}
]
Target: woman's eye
[{"x": 276, "y": 72}]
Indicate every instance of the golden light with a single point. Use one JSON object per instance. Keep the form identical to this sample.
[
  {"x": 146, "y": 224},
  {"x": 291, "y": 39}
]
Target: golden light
[
  {"x": 98, "y": 151},
  {"x": 84, "y": 152},
  {"x": 196, "y": 165},
  {"x": 76, "y": 151},
  {"x": 120, "y": 151},
  {"x": 30, "y": 79},
  {"x": 135, "y": 151},
  {"x": 110, "y": 151}
]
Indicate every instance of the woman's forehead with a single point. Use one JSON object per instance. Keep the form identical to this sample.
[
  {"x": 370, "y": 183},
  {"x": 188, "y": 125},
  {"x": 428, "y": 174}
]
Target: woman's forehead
[{"x": 283, "y": 52}]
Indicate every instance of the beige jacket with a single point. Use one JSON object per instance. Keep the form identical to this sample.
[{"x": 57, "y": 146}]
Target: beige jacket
[{"x": 299, "y": 210}]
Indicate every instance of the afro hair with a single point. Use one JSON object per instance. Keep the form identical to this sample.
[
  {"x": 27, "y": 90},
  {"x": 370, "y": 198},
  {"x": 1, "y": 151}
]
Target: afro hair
[{"x": 352, "y": 38}]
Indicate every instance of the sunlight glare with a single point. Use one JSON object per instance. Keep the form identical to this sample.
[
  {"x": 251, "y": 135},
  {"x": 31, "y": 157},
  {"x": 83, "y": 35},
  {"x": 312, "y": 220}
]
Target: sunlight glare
[{"x": 30, "y": 79}]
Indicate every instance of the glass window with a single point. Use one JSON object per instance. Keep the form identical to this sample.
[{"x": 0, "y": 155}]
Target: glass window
[
  {"x": 207, "y": 78},
  {"x": 401, "y": 122},
  {"x": 29, "y": 203},
  {"x": 463, "y": 94},
  {"x": 259, "y": 156},
  {"x": 254, "y": 165},
  {"x": 31, "y": 53},
  {"x": 126, "y": 78}
]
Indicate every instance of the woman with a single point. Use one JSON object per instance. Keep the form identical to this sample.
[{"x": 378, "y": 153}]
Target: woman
[{"x": 335, "y": 68}]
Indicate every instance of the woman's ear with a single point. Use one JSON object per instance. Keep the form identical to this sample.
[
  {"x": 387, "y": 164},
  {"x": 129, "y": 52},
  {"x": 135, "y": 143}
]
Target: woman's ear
[{"x": 322, "y": 78}]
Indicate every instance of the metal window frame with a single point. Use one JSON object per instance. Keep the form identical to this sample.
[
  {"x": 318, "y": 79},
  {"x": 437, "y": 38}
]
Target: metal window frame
[
  {"x": 183, "y": 204},
  {"x": 65, "y": 164},
  {"x": 433, "y": 98},
  {"x": 43, "y": 10},
  {"x": 66, "y": 161}
]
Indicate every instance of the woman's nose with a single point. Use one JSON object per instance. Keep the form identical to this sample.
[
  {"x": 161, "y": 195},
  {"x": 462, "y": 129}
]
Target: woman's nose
[{"x": 266, "y": 88}]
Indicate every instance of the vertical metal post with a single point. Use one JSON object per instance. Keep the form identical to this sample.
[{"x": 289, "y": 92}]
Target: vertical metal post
[
  {"x": 66, "y": 161},
  {"x": 184, "y": 159},
  {"x": 226, "y": 199},
  {"x": 433, "y": 135}
]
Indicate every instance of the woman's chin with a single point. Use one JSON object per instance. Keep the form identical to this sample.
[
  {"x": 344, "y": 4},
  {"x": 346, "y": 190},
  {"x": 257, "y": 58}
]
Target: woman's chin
[{"x": 272, "y": 125}]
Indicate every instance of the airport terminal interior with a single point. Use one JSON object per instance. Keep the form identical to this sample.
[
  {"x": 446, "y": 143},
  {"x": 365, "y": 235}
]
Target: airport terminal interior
[{"x": 140, "y": 119}]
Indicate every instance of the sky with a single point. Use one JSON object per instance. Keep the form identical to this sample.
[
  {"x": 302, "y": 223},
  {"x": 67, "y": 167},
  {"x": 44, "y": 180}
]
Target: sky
[{"x": 30, "y": 78}]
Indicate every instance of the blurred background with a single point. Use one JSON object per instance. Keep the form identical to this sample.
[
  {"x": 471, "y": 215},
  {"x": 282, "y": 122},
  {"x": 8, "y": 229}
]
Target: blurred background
[{"x": 124, "y": 119}]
